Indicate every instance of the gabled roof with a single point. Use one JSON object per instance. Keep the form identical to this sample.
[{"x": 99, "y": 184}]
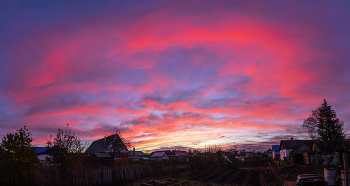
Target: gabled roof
[
  {"x": 158, "y": 154},
  {"x": 295, "y": 149},
  {"x": 327, "y": 146},
  {"x": 168, "y": 152},
  {"x": 182, "y": 153},
  {"x": 290, "y": 144},
  {"x": 97, "y": 146},
  {"x": 298, "y": 149},
  {"x": 140, "y": 153},
  {"x": 276, "y": 147},
  {"x": 301, "y": 144},
  {"x": 44, "y": 150}
]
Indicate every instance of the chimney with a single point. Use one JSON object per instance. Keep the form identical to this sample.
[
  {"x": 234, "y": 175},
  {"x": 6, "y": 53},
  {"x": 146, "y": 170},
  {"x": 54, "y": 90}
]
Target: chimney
[
  {"x": 133, "y": 150},
  {"x": 291, "y": 138}
]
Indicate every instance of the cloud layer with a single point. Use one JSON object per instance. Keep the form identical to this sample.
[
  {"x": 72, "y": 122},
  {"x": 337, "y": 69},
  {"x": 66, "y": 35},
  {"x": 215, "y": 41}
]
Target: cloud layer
[{"x": 172, "y": 73}]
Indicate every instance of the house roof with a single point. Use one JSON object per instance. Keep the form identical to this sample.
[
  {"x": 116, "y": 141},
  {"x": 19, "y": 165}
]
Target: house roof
[
  {"x": 140, "y": 153},
  {"x": 40, "y": 149},
  {"x": 327, "y": 146},
  {"x": 168, "y": 152},
  {"x": 295, "y": 149},
  {"x": 182, "y": 153},
  {"x": 290, "y": 144},
  {"x": 97, "y": 146},
  {"x": 44, "y": 150},
  {"x": 276, "y": 147},
  {"x": 157, "y": 154}
]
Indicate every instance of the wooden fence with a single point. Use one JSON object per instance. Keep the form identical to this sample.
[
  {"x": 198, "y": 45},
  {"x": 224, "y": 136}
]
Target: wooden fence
[{"x": 109, "y": 176}]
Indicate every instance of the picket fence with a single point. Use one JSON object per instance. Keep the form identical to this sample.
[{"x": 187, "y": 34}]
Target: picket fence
[{"x": 109, "y": 176}]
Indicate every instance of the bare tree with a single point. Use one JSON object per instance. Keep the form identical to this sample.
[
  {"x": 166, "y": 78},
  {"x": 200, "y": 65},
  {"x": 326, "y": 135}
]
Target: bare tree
[
  {"x": 65, "y": 150},
  {"x": 212, "y": 149},
  {"x": 242, "y": 153},
  {"x": 233, "y": 153}
]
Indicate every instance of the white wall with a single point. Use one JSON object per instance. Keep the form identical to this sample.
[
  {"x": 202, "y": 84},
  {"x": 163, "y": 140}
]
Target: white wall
[
  {"x": 274, "y": 153},
  {"x": 165, "y": 157},
  {"x": 285, "y": 153}
]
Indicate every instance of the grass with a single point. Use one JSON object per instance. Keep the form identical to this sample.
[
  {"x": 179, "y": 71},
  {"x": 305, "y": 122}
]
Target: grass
[{"x": 281, "y": 163}]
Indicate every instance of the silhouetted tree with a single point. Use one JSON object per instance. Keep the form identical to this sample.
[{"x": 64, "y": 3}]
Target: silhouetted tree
[
  {"x": 323, "y": 124},
  {"x": 18, "y": 154},
  {"x": 66, "y": 151},
  {"x": 242, "y": 153},
  {"x": 233, "y": 152}
]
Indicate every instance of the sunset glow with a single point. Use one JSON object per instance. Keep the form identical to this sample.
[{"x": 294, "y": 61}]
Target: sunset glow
[{"x": 173, "y": 74}]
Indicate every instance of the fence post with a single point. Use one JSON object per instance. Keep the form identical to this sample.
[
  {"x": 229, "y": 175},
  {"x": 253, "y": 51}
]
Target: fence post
[
  {"x": 73, "y": 177},
  {"x": 345, "y": 168}
]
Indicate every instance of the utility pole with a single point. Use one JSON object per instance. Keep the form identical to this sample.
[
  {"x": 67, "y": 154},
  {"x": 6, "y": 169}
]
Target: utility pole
[{"x": 174, "y": 164}]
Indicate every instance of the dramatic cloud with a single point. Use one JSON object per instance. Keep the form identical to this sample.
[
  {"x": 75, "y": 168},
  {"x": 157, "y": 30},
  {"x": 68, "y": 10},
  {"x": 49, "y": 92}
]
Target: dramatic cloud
[{"x": 173, "y": 74}]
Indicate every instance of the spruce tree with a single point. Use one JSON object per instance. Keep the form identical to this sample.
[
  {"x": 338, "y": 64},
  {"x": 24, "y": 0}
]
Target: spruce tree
[{"x": 323, "y": 124}]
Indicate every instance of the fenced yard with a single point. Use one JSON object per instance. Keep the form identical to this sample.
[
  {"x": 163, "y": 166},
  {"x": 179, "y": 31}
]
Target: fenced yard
[
  {"x": 250, "y": 172},
  {"x": 109, "y": 176},
  {"x": 89, "y": 177}
]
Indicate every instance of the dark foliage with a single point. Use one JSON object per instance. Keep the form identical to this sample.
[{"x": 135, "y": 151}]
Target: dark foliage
[
  {"x": 323, "y": 124},
  {"x": 66, "y": 151},
  {"x": 18, "y": 156}
]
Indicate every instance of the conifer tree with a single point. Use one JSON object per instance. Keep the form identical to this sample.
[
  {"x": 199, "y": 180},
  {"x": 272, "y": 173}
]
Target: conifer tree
[{"x": 323, "y": 124}]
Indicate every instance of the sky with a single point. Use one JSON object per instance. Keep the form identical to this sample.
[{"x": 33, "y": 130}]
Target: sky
[{"x": 173, "y": 74}]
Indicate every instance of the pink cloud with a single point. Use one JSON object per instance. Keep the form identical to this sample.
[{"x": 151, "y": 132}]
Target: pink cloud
[{"x": 168, "y": 78}]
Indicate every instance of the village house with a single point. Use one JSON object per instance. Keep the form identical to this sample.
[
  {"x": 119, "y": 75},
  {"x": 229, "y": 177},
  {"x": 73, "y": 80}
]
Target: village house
[
  {"x": 323, "y": 152},
  {"x": 43, "y": 153},
  {"x": 159, "y": 156},
  {"x": 287, "y": 146},
  {"x": 183, "y": 156},
  {"x": 297, "y": 154},
  {"x": 168, "y": 152},
  {"x": 136, "y": 155},
  {"x": 108, "y": 145}
]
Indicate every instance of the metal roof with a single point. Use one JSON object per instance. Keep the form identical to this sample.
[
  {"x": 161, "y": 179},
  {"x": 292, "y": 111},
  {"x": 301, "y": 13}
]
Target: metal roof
[
  {"x": 290, "y": 144},
  {"x": 157, "y": 154},
  {"x": 40, "y": 149},
  {"x": 183, "y": 153},
  {"x": 168, "y": 152},
  {"x": 276, "y": 147},
  {"x": 140, "y": 153},
  {"x": 97, "y": 146}
]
